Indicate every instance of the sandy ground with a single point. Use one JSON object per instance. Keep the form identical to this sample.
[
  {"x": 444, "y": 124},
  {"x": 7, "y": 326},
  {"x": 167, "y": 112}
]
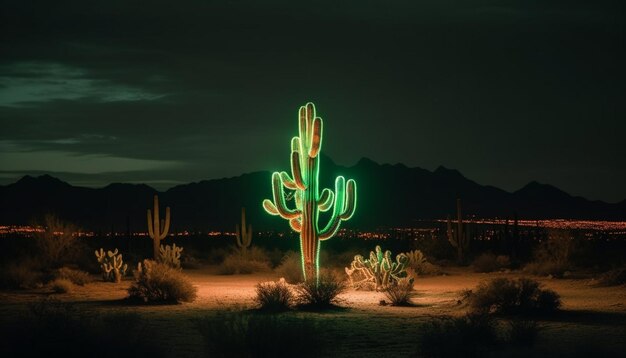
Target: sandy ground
[{"x": 591, "y": 315}]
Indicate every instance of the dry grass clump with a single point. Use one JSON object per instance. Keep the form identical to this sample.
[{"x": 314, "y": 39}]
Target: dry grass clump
[
  {"x": 159, "y": 283},
  {"x": 400, "y": 293},
  {"x": 323, "y": 294},
  {"x": 238, "y": 262},
  {"x": 61, "y": 285},
  {"x": 77, "y": 277},
  {"x": 274, "y": 296}
]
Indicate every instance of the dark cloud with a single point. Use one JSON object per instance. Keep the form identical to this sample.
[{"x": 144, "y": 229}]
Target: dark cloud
[{"x": 505, "y": 91}]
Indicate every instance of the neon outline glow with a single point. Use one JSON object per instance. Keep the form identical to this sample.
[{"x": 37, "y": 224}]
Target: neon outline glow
[{"x": 303, "y": 182}]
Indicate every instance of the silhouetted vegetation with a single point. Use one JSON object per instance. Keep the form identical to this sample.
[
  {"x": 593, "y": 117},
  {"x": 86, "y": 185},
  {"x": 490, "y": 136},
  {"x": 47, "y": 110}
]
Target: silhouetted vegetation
[{"x": 156, "y": 282}]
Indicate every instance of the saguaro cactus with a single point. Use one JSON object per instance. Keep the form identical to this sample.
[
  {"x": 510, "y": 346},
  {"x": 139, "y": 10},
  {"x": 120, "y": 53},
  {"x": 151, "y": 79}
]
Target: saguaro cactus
[
  {"x": 309, "y": 202},
  {"x": 157, "y": 229},
  {"x": 243, "y": 236},
  {"x": 459, "y": 239}
]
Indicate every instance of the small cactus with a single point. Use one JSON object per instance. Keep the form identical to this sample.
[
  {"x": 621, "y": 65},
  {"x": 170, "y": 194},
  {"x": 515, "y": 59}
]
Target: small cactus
[
  {"x": 243, "y": 236},
  {"x": 157, "y": 229},
  {"x": 112, "y": 265},
  {"x": 170, "y": 255},
  {"x": 379, "y": 271}
]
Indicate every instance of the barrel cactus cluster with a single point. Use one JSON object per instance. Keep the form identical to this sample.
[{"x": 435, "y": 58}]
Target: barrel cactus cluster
[{"x": 378, "y": 272}]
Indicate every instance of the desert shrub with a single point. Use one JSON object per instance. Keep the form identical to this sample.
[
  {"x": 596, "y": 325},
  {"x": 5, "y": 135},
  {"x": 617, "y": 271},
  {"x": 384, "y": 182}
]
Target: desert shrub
[
  {"x": 159, "y": 283},
  {"x": 506, "y": 296},
  {"x": 552, "y": 257},
  {"x": 468, "y": 336},
  {"x": 489, "y": 262},
  {"x": 323, "y": 294},
  {"x": 614, "y": 277},
  {"x": 56, "y": 243},
  {"x": 290, "y": 268},
  {"x": 217, "y": 255},
  {"x": 20, "y": 275},
  {"x": 274, "y": 296},
  {"x": 237, "y": 264},
  {"x": 61, "y": 285},
  {"x": 546, "y": 268},
  {"x": 400, "y": 293},
  {"x": 77, "y": 277},
  {"x": 244, "y": 334},
  {"x": 54, "y": 328}
]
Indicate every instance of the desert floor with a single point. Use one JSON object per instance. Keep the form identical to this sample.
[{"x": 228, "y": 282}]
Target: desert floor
[{"x": 591, "y": 316}]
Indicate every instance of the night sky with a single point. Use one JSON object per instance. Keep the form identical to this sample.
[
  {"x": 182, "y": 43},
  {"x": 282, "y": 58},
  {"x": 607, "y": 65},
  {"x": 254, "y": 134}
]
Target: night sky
[{"x": 168, "y": 92}]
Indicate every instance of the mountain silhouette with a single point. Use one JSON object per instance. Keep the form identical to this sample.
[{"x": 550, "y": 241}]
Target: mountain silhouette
[{"x": 388, "y": 195}]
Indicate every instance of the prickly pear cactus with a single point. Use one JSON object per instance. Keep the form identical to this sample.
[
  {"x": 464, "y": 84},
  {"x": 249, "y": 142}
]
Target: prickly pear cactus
[
  {"x": 170, "y": 255},
  {"x": 112, "y": 266},
  {"x": 379, "y": 271}
]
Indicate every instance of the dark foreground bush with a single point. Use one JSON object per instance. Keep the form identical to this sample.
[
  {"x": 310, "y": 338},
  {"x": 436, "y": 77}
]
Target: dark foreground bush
[
  {"x": 489, "y": 262},
  {"x": 54, "y": 329},
  {"x": 244, "y": 334},
  {"x": 400, "y": 293},
  {"x": 20, "y": 275},
  {"x": 323, "y": 294},
  {"x": 274, "y": 296},
  {"x": 474, "y": 335},
  {"x": 159, "y": 283},
  {"x": 506, "y": 296}
]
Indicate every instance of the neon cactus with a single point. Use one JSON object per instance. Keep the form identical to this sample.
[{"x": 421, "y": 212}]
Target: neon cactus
[
  {"x": 170, "y": 255},
  {"x": 309, "y": 202},
  {"x": 157, "y": 229},
  {"x": 243, "y": 236},
  {"x": 379, "y": 271},
  {"x": 458, "y": 239}
]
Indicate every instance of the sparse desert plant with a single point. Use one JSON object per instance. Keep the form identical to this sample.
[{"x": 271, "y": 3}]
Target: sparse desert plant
[
  {"x": 420, "y": 265},
  {"x": 290, "y": 268},
  {"x": 246, "y": 334},
  {"x": 254, "y": 260},
  {"x": 322, "y": 294},
  {"x": 546, "y": 268},
  {"x": 377, "y": 272},
  {"x": 615, "y": 277},
  {"x": 468, "y": 336},
  {"x": 156, "y": 282},
  {"x": 243, "y": 235},
  {"x": 20, "y": 275},
  {"x": 489, "y": 262},
  {"x": 77, "y": 277},
  {"x": 170, "y": 255},
  {"x": 157, "y": 229},
  {"x": 552, "y": 257},
  {"x": 112, "y": 265},
  {"x": 506, "y": 296},
  {"x": 61, "y": 285},
  {"x": 56, "y": 241},
  {"x": 400, "y": 293},
  {"x": 274, "y": 296}
]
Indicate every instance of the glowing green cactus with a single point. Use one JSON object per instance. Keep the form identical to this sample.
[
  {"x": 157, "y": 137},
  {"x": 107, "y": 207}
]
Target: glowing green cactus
[{"x": 309, "y": 201}]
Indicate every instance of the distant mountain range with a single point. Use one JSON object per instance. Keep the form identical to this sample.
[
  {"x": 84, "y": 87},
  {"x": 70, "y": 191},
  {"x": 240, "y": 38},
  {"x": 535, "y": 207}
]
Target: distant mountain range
[{"x": 388, "y": 195}]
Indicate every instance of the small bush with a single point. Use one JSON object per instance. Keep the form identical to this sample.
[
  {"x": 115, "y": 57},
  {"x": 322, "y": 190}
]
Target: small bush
[
  {"x": 159, "y": 283},
  {"x": 546, "y": 268},
  {"x": 468, "y": 336},
  {"x": 323, "y": 294},
  {"x": 22, "y": 275},
  {"x": 61, "y": 285},
  {"x": 274, "y": 296},
  {"x": 243, "y": 334},
  {"x": 400, "y": 293},
  {"x": 505, "y": 296},
  {"x": 489, "y": 262},
  {"x": 77, "y": 277},
  {"x": 57, "y": 243},
  {"x": 614, "y": 277},
  {"x": 238, "y": 264},
  {"x": 290, "y": 268}
]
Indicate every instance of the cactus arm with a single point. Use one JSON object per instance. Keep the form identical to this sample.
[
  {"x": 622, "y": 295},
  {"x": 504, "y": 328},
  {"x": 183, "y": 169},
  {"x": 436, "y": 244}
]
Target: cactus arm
[
  {"x": 287, "y": 181},
  {"x": 269, "y": 207},
  {"x": 316, "y": 137},
  {"x": 165, "y": 227},
  {"x": 333, "y": 224},
  {"x": 296, "y": 170},
  {"x": 326, "y": 200},
  {"x": 279, "y": 199},
  {"x": 350, "y": 201},
  {"x": 295, "y": 224}
]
